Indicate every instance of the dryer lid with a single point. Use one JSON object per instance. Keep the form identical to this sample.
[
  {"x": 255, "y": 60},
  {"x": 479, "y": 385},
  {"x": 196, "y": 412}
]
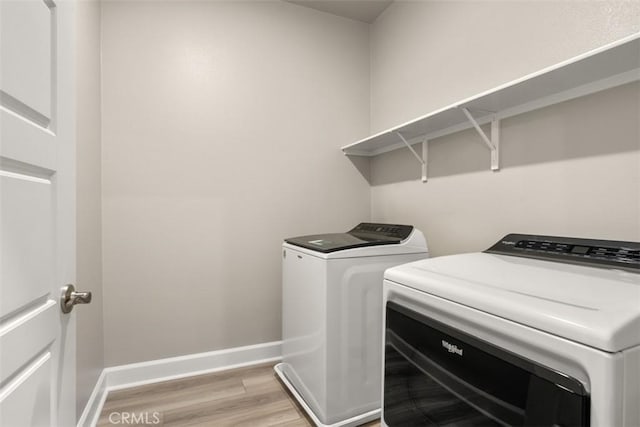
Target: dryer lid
[
  {"x": 598, "y": 307},
  {"x": 364, "y": 234}
]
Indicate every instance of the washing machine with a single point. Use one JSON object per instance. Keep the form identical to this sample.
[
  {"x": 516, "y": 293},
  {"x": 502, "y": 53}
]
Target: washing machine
[
  {"x": 535, "y": 331},
  {"x": 332, "y": 318}
]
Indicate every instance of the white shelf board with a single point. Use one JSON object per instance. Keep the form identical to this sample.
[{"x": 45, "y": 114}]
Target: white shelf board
[{"x": 608, "y": 66}]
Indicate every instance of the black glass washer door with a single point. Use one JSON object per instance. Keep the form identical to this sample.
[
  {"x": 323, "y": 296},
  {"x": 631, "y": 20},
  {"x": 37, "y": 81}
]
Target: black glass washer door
[
  {"x": 413, "y": 397},
  {"x": 438, "y": 376}
]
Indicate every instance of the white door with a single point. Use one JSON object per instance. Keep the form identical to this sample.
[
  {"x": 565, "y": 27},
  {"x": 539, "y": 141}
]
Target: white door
[{"x": 37, "y": 212}]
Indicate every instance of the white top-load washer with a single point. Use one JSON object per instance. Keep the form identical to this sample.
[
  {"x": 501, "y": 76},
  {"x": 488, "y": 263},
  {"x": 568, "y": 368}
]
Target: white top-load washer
[
  {"x": 332, "y": 318},
  {"x": 537, "y": 330}
]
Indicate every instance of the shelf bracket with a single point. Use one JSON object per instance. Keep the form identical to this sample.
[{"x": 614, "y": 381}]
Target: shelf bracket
[
  {"x": 494, "y": 143},
  {"x": 423, "y": 159}
]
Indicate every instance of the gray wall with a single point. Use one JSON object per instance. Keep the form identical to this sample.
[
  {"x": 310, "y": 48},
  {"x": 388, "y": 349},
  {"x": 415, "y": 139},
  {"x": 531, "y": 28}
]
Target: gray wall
[
  {"x": 90, "y": 349},
  {"x": 222, "y": 123},
  {"x": 570, "y": 169}
]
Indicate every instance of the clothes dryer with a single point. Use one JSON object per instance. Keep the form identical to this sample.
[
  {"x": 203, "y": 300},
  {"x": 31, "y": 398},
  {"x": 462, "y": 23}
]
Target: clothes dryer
[{"x": 535, "y": 331}]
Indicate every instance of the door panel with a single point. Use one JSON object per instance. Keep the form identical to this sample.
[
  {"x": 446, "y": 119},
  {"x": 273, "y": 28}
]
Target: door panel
[
  {"x": 25, "y": 74},
  {"x": 25, "y": 146},
  {"x": 27, "y": 223},
  {"x": 37, "y": 212},
  {"x": 34, "y": 323},
  {"x": 26, "y": 401}
]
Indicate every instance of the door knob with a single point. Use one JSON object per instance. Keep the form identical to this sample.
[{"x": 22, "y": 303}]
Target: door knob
[{"x": 69, "y": 297}]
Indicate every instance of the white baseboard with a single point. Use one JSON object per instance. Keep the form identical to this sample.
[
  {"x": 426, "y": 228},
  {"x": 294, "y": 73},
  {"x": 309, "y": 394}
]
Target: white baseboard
[
  {"x": 136, "y": 374},
  {"x": 94, "y": 406}
]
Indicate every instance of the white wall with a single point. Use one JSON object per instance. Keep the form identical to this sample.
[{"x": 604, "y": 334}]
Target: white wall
[
  {"x": 89, "y": 345},
  {"x": 570, "y": 169},
  {"x": 222, "y": 123}
]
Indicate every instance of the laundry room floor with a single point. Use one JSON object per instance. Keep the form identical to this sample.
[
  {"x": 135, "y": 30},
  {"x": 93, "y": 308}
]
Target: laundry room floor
[{"x": 250, "y": 396}]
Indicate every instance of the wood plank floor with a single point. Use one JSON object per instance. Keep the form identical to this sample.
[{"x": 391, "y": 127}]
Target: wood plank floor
[{"x": 250, "y": 396}]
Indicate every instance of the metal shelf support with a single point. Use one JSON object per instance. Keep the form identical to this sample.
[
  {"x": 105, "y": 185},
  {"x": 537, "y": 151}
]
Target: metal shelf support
[
  {"x": 423, "y": 159},
  {"x": 494, "y": 143}
]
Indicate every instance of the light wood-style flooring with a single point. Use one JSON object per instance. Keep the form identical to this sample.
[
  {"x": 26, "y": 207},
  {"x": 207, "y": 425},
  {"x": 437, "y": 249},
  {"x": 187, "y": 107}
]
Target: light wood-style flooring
[{"x": 250, "y": 396}]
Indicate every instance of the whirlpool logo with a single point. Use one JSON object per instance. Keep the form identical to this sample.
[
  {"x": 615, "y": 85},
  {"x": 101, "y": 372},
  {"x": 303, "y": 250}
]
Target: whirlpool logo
[{"x": 451, "y": 348}]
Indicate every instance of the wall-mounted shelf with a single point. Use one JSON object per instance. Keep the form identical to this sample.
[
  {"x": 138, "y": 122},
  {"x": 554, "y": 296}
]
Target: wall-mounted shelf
[{"x": 603, "y": 68}]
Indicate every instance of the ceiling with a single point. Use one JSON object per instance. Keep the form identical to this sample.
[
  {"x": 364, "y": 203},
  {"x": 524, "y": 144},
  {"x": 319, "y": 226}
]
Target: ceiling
[{"x": 359, "y": 10}]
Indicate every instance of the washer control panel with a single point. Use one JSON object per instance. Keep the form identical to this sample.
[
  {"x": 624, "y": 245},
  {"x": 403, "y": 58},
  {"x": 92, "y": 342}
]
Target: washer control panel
[
  {"x": 597, "y": 253},
  {"x": 393, "y": 231}
]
